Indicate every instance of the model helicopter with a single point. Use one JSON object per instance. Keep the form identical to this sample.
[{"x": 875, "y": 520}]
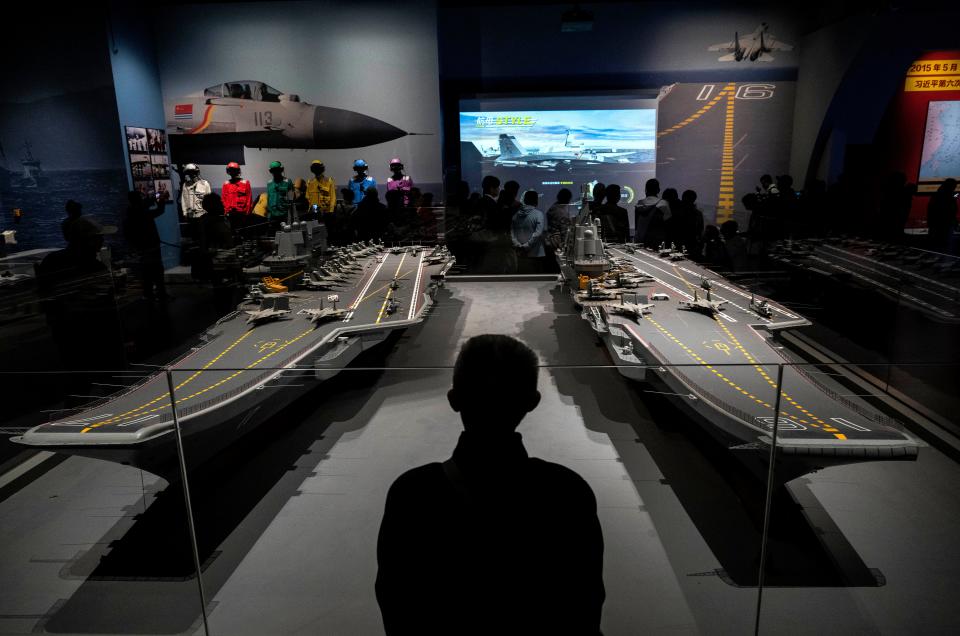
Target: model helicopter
[{"x": 392, "y": 306}]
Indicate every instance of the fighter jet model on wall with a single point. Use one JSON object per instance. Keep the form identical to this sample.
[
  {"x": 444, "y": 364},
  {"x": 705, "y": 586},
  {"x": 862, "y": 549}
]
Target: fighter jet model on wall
[
  {"x": 753, "y": 47},
  {"x": 216, "y": 125}
]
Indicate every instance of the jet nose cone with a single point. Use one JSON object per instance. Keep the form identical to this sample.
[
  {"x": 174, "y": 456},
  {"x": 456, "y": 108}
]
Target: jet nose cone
[{"x": 338, "y": 128}]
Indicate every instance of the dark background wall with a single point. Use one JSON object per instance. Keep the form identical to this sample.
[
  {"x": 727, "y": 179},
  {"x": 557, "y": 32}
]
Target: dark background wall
[
  {"x": 850, "y": 74},
  {"x": 637, "y": 46},
  {"x": 59, "y": 97}
]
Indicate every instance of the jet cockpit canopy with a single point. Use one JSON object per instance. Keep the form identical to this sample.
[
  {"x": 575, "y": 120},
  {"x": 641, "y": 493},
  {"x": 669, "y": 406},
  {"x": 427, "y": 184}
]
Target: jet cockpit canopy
[{"x": 244, "y": 89}]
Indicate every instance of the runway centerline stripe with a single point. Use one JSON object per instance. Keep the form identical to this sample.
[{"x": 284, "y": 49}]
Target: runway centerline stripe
[
  {"x": 373, "y": 276},
  {"x": 132, "y": 412},
  {"x": 386, "y": 299},
  {"x": 253, "y": 364}
]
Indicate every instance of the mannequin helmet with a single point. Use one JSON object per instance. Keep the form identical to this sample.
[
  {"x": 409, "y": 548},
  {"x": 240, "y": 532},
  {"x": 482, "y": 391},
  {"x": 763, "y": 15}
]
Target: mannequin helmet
[
  {"x": 317, "y": 162},
  {"x": 395, "y": 162},
  {"x": 191, "y": 167},
  {"x": 359, "y": 163},
  {"x": 233, "y": 165},
  {"x": 275, "y": 164}
]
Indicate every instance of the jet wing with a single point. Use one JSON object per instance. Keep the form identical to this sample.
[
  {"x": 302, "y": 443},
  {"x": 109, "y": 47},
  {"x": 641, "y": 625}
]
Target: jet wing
[
  {"x": 772, "y": 43},
  {"x": 727, "y": 58},
  {"x": 723, "y": 46}
]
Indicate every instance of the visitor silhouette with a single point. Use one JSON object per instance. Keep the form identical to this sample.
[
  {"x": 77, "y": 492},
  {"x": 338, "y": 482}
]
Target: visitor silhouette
[{"x": 491, "y": 541}]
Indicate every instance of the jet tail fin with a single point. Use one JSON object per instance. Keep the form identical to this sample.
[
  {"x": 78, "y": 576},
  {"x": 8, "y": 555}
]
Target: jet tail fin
[{"x": 509, "y": 147}]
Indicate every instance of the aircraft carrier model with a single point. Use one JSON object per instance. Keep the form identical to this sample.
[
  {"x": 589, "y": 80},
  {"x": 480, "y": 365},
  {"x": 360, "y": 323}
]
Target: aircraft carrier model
[
  {"x": 928, "y": 282},
  {"x": 285, "y": 338},
  {"x": 670, "y": 322}
]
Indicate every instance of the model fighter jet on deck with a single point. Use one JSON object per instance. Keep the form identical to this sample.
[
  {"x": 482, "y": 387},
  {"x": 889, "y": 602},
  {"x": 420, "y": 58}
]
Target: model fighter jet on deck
[
  {"x": 754, "y": 47},
  {"x": 215, "y": 126}
]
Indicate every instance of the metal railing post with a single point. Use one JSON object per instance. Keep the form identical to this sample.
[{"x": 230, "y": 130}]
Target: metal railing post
[
  {"x": 769, "y": 499},
  {"x": 186, "y": 497}
]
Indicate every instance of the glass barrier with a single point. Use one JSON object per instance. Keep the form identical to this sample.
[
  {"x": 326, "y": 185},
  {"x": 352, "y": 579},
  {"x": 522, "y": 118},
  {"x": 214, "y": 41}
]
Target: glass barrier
[
  {"x": 878, "y": 504},
  {"x": 269, "y": 477},
  {"x": 91, "y": 543}
]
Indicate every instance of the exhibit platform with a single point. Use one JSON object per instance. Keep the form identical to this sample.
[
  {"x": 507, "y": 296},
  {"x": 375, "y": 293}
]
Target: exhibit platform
[{"x": 287, "y": 521}]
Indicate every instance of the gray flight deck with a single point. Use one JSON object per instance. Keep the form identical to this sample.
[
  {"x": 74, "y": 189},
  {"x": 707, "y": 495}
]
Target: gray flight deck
[
  {"x": 926, "y": 281},
  {"x": 242, "y": 369},
  {"x": 288, "y": 527},
  {"x": 815, "y": 421}
]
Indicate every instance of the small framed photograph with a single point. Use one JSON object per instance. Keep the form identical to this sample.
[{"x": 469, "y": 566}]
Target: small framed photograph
[{"x": 136, "y": 139}]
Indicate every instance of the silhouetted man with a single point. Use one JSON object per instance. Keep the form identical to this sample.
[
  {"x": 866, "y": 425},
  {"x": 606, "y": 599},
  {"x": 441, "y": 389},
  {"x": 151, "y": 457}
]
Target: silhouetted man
[
  {"x": 487, "y": 206},
  {"x": 491, "y": 541}
]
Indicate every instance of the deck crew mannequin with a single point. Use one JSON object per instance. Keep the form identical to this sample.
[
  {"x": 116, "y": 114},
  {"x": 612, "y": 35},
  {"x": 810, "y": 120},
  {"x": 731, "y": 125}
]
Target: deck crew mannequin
[
  {"x": 237, "y": 197},
  {"x": 361, "y": 181},
  {"x": 399, "y": 181},
  {"x": 321, "y": 190},
  {"x": 193, "y": 190},
  {"x": 279, "y": 195}
]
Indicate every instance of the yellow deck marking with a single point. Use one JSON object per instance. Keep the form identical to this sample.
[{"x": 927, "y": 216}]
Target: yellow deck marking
[
  {"x": 138, "y": 411},
  {"x": 697, "y": 358},
  {"x": 726, "y": 203},
  {"x": 710, "y": 104},
  {"x": 377, "y": 291},
  {"x": 195, "y": 374},
  {"x": 817, "y": 422},
  {"x": 386, "y": 299},
  {"x": 736, "y": 343}
]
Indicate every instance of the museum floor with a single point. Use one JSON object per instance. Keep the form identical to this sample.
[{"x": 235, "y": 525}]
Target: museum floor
[{"x": 287, "y": 520}]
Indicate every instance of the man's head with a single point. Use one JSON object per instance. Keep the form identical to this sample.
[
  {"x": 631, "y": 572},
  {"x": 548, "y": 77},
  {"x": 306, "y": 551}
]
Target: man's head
[
  {"x": 652, "y": 187},
  {"x": 766, "y": 180},
  {"x": 490, "y": 185},
  {"x": 689, "y": 197},
  {"x": 564, "y": 196},
  {"x": 85, "y": 235},
  {"x": 613, "y": 194},
  {"x": 599, "y": 191},
  {"x": 494, "y": 384},
  {"x": 212, "y": 204},
  {"x": 73, "y": 209},
  {"x": 729, "y": 229},
  {"x": 347, "y": 195},
  {"x": 531, "y": 197}
]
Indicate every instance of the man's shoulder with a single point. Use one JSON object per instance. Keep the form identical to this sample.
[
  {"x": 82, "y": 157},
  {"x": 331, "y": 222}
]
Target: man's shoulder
[{"x": 414, "y": 482}]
